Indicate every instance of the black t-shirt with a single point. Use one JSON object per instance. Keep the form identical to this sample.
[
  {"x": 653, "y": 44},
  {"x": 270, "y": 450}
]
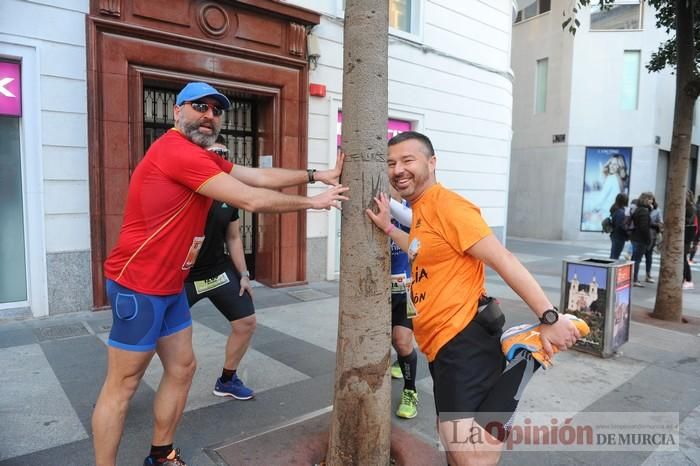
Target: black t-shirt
[{"x": 213, "y": 258}]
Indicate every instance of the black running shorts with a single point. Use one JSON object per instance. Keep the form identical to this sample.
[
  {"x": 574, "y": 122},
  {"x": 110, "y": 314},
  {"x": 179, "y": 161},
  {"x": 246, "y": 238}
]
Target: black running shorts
[
  {"x": 225, "y": 297},
  {"x": 464, "y": 371},
  {"x": 398, "y": 311}
]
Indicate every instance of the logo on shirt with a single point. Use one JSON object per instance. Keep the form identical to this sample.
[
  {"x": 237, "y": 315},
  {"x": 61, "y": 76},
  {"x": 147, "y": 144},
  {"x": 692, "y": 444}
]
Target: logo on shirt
[
  {"x": 418, "y": 223},
  {"x": 224, "y": 206}
]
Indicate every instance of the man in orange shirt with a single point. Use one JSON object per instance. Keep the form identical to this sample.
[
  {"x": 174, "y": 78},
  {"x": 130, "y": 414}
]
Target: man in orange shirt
[{"x": 457, "y": 326}]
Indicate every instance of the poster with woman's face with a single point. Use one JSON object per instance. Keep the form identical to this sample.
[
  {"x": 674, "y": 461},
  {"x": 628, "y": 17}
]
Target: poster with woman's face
[{"x": 607, "y": 173}]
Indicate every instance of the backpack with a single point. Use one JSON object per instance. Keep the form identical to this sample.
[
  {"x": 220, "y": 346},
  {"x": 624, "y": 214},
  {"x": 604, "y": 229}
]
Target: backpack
[{"x": 607, "y": 225}]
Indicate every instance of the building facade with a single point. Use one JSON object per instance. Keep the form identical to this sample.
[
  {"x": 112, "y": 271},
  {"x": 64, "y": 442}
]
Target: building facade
[
  {"x": 584, "y": 107},
  {"x": 98, "y": 80}
]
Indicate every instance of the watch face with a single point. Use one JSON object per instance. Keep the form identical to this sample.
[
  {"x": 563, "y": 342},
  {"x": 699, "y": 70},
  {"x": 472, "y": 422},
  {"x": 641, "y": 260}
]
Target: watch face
[{"x": 550, "y": 316}]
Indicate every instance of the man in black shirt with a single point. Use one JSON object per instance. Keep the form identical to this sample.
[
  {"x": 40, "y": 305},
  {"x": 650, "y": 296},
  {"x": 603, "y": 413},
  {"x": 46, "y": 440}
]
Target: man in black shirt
[{"x": 220, "y": 274}]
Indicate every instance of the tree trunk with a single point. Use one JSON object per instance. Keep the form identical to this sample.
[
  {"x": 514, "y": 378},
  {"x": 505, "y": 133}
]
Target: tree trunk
[
  {"x": 361, "y": 420},
  {"x": 669, "y": 295}
]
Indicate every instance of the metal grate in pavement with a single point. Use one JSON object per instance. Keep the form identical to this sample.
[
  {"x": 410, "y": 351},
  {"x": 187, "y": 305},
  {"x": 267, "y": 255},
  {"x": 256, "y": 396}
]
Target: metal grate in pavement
[
  {"x": 58, "y": 332},
  {"x": 308, "y": 295}
]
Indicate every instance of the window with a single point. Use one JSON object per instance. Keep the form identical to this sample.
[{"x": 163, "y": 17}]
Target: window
[
  {"x": 622, "y": 15},
  {"x": 541, "y": 85},
  {"x": 404, "y": 16},
  {"x": 400, "y": 15},
  {"x": 629, "y": 97},
  {"x": 536, "y": 8},
  {"x": 13, "y": 266}
]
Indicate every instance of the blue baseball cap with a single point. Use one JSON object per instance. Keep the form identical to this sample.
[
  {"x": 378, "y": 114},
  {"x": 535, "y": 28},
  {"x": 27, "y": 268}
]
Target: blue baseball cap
[{"x": 195, "y": 91}]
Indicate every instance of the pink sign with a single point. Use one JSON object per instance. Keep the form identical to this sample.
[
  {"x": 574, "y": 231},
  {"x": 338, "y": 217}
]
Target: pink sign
[
  {"x": 10, "y": 89},
  {"x": 394, "y": 127}
]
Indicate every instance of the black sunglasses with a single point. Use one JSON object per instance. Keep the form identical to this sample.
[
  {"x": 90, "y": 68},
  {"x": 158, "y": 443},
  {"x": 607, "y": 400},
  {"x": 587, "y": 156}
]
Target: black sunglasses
[
  {"x": 219, "y": 151},
  {"x": 202, "y": 107}
]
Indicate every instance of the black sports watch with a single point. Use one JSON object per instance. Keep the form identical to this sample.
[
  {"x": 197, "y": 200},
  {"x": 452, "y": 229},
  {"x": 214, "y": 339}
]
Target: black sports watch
[{"x": 550, "y": 316}]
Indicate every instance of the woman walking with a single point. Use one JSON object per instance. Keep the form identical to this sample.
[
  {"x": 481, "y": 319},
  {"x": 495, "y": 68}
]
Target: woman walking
[
  {"x": 641, "y": 235},
  {"x": 618, "y": 236}
]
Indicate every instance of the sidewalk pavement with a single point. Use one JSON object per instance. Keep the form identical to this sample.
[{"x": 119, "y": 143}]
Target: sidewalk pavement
[{"x": 52, "y": 370}]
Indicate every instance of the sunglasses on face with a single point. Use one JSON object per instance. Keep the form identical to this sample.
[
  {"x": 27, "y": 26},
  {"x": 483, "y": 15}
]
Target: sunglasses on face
[
  {"x": 202, "y": 107},
  {"x": 219, "y": 151}
]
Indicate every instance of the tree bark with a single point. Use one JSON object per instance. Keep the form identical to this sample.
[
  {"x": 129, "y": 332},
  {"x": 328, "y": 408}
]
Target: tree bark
[
  {"x": 669, "y": 295},
  {"x": 361, "y": 419}
]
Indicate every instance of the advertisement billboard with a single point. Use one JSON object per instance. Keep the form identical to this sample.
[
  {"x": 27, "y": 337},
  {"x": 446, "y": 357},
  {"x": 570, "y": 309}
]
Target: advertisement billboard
[{"x": 607, "y": 173}]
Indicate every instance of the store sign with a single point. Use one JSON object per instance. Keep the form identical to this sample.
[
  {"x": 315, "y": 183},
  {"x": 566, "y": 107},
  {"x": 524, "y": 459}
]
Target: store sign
[
  {"x": 10, "y": 89},
  {"x": 394, "y": 127}
]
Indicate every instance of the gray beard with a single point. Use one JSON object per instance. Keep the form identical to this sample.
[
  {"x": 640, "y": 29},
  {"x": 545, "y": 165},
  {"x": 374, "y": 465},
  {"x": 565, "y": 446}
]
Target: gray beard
[{"x": 191, "y": 131}]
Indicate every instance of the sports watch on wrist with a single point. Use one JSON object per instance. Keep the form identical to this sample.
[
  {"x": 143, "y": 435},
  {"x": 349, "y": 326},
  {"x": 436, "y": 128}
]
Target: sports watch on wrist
[{"x": 550, "y": 316}]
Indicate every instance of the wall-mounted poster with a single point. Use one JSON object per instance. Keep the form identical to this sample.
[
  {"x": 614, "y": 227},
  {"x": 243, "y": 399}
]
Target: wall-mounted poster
[{"x": 607, "y": 173}]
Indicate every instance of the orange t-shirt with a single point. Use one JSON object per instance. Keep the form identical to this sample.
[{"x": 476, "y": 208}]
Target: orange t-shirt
[{"x": 447, "y": 282}]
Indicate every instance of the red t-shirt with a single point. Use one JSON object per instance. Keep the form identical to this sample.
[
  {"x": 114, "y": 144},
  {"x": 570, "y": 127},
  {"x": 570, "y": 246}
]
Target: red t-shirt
[{"x": 163, "y": 225}]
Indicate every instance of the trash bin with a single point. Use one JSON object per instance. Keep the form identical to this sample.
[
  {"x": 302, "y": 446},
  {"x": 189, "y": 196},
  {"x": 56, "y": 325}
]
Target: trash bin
[{"x": 599, "y": 291}]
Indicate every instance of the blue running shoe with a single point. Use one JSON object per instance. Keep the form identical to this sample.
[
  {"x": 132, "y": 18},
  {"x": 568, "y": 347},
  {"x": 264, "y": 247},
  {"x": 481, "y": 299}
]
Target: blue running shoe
[{"x": 234, "y": 388}]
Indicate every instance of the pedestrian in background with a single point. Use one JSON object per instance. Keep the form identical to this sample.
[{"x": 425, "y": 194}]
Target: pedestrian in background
[
  {"x": 656, "y": 224},
  {"x": 619, "y": 235},
  {"x": 641, "y": 234},
  {"x": 694, "y": 246},
  {"x": 691, "y": 232}
]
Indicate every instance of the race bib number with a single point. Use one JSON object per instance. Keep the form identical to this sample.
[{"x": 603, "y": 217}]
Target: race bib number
[
  {"x": 398, "y": 283},
  {"x": 202, "y": 286},
  {"x": 411, "y": 310},
  {"x": 193, "y": 252}
]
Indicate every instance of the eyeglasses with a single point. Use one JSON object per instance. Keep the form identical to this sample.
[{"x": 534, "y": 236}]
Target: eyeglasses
[
  {"x": 202, "y": 107},
  {"x": 219, "y": 151}
]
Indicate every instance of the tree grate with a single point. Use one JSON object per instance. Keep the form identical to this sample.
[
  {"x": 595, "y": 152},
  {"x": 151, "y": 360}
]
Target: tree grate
[
  {"x": 308, "y": 295},
  {"x": 58, "y": 332}
]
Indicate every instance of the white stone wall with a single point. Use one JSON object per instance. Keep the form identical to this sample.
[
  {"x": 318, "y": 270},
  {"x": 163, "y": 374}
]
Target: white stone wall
[{"x": 48, "y": 36}]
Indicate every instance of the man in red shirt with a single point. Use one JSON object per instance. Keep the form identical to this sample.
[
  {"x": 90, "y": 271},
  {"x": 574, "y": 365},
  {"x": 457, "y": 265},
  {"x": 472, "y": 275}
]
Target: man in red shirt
[{"x": 169, "y": 196}]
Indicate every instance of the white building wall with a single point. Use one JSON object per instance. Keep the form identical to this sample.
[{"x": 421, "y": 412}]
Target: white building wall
[
  {"x": 585, "y": 85},
  {"x": 539, "y": 166},
  {"x": 452, "y": 80},
  {"x": 48, "y": 36}
]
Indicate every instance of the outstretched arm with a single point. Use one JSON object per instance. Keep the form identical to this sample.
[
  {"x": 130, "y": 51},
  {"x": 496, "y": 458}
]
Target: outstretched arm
[
  {"x": 562, "y": 334},
  {"x": 275, "y": 178},
  {"x": 231, "y": 191}
]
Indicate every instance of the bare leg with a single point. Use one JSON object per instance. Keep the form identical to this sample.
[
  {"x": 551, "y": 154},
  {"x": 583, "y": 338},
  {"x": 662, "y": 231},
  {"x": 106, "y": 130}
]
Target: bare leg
[
  {"x": 402, "y": 340},
  {"x": 468, "y": 444},
  {"x": 238, "y": 340},
  {"x": 176, "y": 354},
  {"x": 124, "y": 372}
]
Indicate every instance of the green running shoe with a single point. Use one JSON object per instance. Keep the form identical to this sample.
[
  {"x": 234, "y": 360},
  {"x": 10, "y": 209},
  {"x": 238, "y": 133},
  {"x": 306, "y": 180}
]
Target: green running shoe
[
  {"x": 396, "y": 371},
  {"x": 408, "y": 408}
]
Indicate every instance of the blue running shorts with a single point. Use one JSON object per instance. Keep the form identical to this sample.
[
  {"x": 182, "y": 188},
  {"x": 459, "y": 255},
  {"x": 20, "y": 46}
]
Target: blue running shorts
[{"x": 139, "y": 320}]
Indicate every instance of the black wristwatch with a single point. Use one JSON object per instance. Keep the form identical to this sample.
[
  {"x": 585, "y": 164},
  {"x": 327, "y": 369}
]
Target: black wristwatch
[
  {"x": 550, "y": 316},
  {"x": 311, "y": 172}
]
